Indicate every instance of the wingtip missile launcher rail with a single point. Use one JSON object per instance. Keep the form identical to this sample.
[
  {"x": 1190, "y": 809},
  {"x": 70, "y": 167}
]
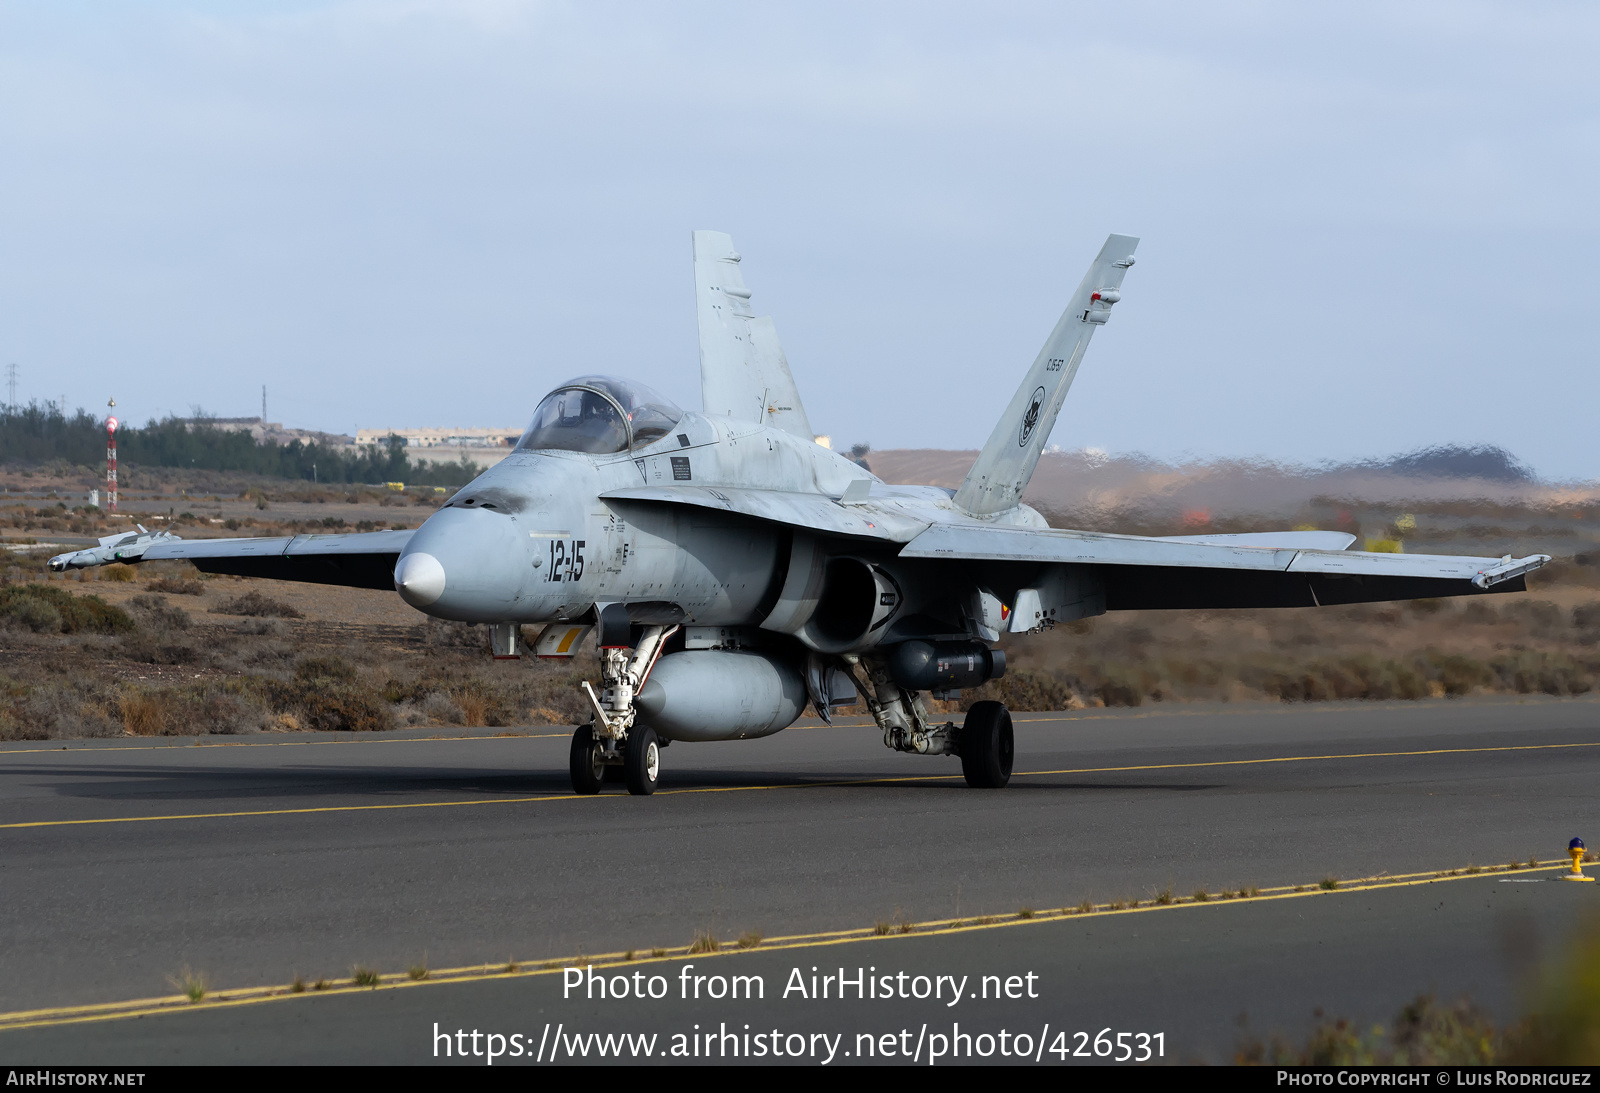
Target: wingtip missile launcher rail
[{"x": 127, "y": 547}]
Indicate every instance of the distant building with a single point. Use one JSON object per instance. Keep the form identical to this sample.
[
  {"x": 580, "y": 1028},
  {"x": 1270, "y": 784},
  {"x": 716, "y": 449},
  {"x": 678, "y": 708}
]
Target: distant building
[
  {"x": 272, "y": 432},
  {"x": 457, "y": 437},
  {"x": 481, "y": 446}
]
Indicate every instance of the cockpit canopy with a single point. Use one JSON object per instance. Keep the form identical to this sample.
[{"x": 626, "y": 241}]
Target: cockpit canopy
[{"x": 599, "y": 415}]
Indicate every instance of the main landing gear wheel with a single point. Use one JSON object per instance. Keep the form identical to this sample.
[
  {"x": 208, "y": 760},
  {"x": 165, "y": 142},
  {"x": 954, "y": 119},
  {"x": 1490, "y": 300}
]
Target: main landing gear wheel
[
  {"x": 986, "y": 746},
  {"x": 641, "y": 762},
  {"x": 588, "y": 761}
]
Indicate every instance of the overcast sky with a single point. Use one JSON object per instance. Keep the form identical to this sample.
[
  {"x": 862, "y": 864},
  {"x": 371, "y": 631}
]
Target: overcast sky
[{"x": 1366, "y": 227}]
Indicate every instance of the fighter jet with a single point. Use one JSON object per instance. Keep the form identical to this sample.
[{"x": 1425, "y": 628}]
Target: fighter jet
[{"x": 732, "y": 571}]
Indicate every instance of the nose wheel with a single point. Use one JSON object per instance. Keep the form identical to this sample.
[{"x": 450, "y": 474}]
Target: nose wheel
[
  {"x": 641, "y": 762},
  {"x": 588, "y": 761},
  {"x": 640, "y": 765}
]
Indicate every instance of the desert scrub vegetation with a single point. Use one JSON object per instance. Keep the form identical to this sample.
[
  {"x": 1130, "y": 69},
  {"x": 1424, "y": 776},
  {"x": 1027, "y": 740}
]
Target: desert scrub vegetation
[
  {"x": 1559, "y": 1025},
  {"x": 1512, "y": 644},
  {"x": 47, "y": 609},
  {"x": 1430, "y": 674},
  {"x": 254, "y": 604},
  {"x": 151, "y": 668}
]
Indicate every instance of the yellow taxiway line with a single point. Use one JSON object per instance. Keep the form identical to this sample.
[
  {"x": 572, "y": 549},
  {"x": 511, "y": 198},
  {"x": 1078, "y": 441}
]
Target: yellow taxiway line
[
  {"x": 700, "y": 950},
  {"x": 793, "y": 785}
]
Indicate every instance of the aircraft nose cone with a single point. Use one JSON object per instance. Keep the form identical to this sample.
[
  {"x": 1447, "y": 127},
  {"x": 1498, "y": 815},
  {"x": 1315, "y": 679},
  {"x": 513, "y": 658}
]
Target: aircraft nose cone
[{"x": 419, "y": 578}]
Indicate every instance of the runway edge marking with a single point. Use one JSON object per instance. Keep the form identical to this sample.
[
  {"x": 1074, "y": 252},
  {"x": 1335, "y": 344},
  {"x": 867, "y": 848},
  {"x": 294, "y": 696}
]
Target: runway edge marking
[{"x": 244, "y": 996}]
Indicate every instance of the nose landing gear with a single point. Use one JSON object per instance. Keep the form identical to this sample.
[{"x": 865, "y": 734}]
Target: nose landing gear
[
  {"x": 612, "y": 740},
  {"x": 588, "y": 761}
]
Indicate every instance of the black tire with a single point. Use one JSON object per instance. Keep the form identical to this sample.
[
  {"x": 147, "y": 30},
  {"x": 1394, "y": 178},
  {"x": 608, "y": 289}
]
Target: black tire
[
  {"x": 586, "y": 766},
  {"x": 987, "y": 748},
  {"x": 641, "y": 763}
]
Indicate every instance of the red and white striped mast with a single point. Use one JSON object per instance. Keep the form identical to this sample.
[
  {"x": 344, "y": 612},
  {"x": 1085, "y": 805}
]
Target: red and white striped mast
[{"x": 111, "y": 460}]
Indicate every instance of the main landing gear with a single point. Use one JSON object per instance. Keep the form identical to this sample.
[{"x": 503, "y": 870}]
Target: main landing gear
[
  {"x": 613, "y": 742},
  {"x": 984, "y": 741}
]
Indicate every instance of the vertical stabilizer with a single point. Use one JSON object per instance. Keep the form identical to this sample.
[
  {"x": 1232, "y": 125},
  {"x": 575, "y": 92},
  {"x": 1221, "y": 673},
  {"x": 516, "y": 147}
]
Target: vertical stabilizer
[
  {"x": 743, "y": 372},
  {"x": 1001, "y": 473}
]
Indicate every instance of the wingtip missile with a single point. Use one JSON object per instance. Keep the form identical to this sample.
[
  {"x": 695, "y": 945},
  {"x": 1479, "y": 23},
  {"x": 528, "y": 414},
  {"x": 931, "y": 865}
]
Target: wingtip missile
[{"x": 112, "y": 548}]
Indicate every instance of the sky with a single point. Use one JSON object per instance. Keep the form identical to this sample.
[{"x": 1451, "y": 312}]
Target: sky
[{"x": 1366, "y": 227}]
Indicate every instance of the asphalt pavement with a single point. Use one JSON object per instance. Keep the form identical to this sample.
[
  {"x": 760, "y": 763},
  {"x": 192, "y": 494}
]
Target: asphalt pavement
[{"x": 133, "y": 868}]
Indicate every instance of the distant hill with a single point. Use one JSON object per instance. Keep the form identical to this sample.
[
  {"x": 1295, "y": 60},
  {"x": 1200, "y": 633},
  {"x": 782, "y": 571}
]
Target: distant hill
[
  {"x": 1090, "y": 489},
  {"x": 1458, "y": 461}
]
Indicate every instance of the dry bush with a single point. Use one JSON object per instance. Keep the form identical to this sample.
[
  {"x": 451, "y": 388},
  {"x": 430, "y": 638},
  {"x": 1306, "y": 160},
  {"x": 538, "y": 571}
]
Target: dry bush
[
  {"x": 474, "y": 708},
  {"x": 441, "y": 634},
  {"x": 116, "y": 571},
  {"x": 176, "y": 586},
  {"x": 154, "y": 648},
  {"x": 314, "y": 669},
  {"x": 154, "y": 612},
  {"x": 55, "y": 710},
  {"x": 44, "y": 608},
  {"x": 256, "y": 605},
  {"x": 345, "y": 709},
  {"x": 1424, "y": 1033},
  {"x": 192, "y": 710},
  {"x": 143, "y": 713}
]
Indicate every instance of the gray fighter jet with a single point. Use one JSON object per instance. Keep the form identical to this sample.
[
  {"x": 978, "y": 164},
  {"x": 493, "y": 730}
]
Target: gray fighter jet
[{"x": 732, "y": 570}]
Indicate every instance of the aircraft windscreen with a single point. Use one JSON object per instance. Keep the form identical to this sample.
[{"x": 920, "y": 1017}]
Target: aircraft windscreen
[{"x": 587, "y": 415}]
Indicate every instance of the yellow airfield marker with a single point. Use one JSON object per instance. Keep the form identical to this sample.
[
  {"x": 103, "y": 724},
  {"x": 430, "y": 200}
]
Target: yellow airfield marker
[{"x": 1576, "y": 849}]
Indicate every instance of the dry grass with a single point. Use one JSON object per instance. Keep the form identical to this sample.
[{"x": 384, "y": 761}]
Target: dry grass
[
  {"x": 256, "y": 605},
  {"x": 704, "y": 943},
  {"x": 176, "y": 586},
  {"x": 143, "y": 714},
  {"x": 190, "y": 984}
]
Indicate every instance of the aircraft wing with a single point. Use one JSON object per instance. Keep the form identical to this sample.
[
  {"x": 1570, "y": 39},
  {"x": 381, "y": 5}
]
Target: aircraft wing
[
  {"x": 358, "y": 560},
  {"x": 1300, "y": 540},
  {"x": 1144, "y": 573}
]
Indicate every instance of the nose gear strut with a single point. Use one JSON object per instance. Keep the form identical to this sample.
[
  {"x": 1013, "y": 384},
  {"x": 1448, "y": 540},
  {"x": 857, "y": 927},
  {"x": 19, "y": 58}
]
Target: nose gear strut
[{"x": 608, "y": 740}]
